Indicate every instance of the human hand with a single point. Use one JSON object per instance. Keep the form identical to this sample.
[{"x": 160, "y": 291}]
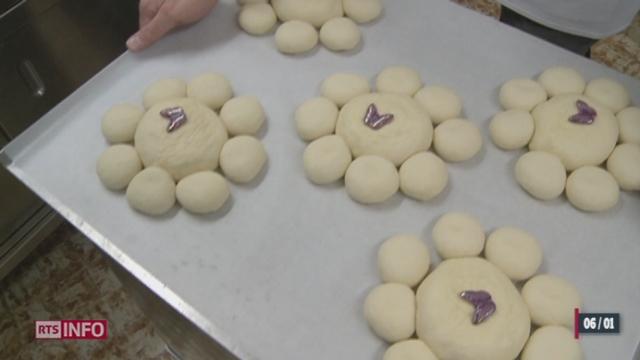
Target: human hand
[{"x": 158, "y": 17}]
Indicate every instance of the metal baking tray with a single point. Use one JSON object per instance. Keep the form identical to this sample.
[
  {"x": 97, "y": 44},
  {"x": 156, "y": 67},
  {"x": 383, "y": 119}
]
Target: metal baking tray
[{"x": 284, "y": 272}]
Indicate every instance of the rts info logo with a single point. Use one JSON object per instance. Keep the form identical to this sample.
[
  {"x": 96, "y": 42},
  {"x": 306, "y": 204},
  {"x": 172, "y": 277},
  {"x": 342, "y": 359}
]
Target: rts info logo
[{"x": 72, "y": 329}]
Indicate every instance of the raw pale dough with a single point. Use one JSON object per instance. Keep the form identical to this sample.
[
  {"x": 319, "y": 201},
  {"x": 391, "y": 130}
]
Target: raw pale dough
[
  {"x": 371, "y": 179},
  {"x": 295, "y": 37},
  {"x": 362, "y": 11},
  {"x": 390, "y": 310},
  {"x": 624, "y": 165},
  {"x": 629, "y": 121},
  {"x": 117, "y": 166},
  {"x": 242, "y": 158},
  {"x": 120, "y": 122},
  {"x": 413, "y": 349},
  {"x": 242, "y": 115},
  {"x": 326, "y": 159},
  {"x": 315, "y": 12},
  {"x": 316, "y": 118},
  {"x": 457, "y": 140},
  {"x": 202, "y": 192},
  {"x": 551, "y": 300},
  {"x": 514, "y": 251},
  {"x": 521, "y": 93},
  {"x": 441, "y": 103},
  {"x": 399, "y": 80},
  {"x": 458, "y": 234},
  {"x": 193, "y": 147},
  {"x": 165, "y": 89},
  {"x": 541, "y": 174},
  {"x": 562, "y": 80},
  {"x": 152, "y": 191},
  {"x": 552, "y": 342},
  {"x": 444, "y": 319},
  {"x": 212, "y": 89},
  {"x": 339, "y": 34},
  {"x": 403, "y": 259},
  {"x": 591, "y": 188},
  {"x": 608, "y": 92},
  {"x": 423, "y": 176},
  {"x": 257, "y": 19},
  {"x": 409, "y": 133},
  {"x": 343, "y": 87},
  {"x": 576, "y": 144},
  {"x": 511, "y": 129}
]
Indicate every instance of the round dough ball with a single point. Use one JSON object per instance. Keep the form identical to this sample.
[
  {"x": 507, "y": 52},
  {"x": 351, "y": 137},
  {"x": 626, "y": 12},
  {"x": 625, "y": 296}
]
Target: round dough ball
[
  {"x": 326, "y": 159},
  {"x": 511, "y": 129},
  {"x": 457, "y": 140},
  {"x": 242, "y": 158},
  {"x": 591, "y": 188},
  {"x": 562, "y": 80},
  {"x": 423, "y": 176},
  {"x": 399, "y": 80},
  {"x": 551, "y": 300},
  {"x": 315, "y": 12},
  {"x": 629, "y": 122},
  {"x": 413, "y": 349},
  {"x": 257, "y": 19},
  {"x": 202, "y": 192},
  {"x": 409, "y": 133},
  {"x": 541, "y": 174},
  {"x": 316, "y": 118},
  {"x": 514, "y": 251},
  {"x": 390, "y": 310},
  {"x": 403, "y": 259},
  {"x": 120, "y": 122},
  {"x": 212, "y": 89},
  {"x": 575, "y": 144},
  {"x": 609, "y": 93},
  {"x": 295, "y": 37},
  {"x": 194, "y": 146},
  {"x": 440, "y": 102},
  {"x": 243, "y": 115},
  {"x": 457, "y": 235},
  {"x": 444, "y": 319},
  {"x": 162, "y": 90},
  {"x": 340, "y": 34},
  {"x": 624, "y": 165},
  {"x": 552, "y": 342},
  {"x": 152, "y": 191},
  {"x": 371, "y": 179},
  {"x": 362, "y": 11},
  {"x": 522, "y": 93},
  {"x": 343, "y": 87},
  {"x": 117, "y": 166}
]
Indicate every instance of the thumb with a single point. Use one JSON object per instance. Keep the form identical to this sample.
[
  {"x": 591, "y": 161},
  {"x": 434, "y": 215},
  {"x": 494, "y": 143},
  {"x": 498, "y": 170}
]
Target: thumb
[{"x": 153, "y": 31}]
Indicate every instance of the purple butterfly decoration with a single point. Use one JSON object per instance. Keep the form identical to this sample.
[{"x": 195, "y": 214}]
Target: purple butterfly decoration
[
  {"x": 176, "y": 116},
  {"x": 375, "y": 120},
  {"x": 482, "y": 302},
  {"x": 586, "y": 114}
]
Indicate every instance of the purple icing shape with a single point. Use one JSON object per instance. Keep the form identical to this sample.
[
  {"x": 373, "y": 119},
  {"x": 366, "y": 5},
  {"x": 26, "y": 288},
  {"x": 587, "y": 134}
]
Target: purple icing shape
[
  {"x": 375, "y": 120},
  {"x": 586, "y": 114},
  {"x": 176, "y": 116},
  {"x": 482, "y": 302}
]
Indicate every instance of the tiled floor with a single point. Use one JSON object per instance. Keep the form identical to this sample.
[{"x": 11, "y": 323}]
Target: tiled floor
[{"x": 68, "y": 278}]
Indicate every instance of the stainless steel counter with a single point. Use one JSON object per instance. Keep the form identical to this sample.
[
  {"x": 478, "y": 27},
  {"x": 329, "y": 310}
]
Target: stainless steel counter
[{"x": 284, "y": 272}]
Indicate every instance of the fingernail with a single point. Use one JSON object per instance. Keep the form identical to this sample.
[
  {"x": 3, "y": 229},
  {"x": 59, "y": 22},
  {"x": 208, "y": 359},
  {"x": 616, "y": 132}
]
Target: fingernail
[{"x": 134, "y": 43}]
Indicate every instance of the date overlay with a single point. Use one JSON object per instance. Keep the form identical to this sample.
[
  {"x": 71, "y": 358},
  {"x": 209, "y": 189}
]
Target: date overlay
[
  {"x": 595, "y": 323},
  {"x": 72, "y": 330}
]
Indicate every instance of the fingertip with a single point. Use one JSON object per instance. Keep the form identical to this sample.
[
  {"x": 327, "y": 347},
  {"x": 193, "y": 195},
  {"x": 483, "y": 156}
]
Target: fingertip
[{"x": 134, "y": 43}]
